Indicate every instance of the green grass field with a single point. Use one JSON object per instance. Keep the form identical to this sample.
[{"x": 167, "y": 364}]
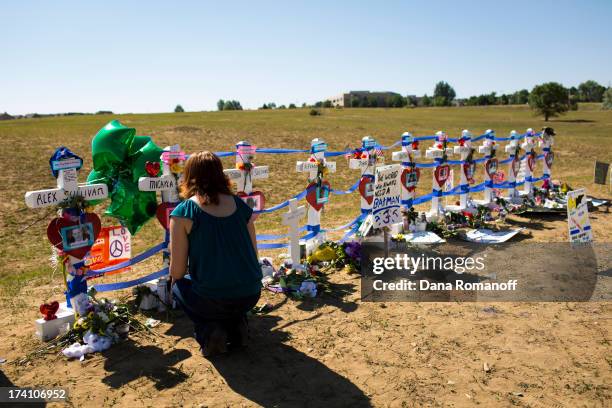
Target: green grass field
[{"x": 583, "y": 137}]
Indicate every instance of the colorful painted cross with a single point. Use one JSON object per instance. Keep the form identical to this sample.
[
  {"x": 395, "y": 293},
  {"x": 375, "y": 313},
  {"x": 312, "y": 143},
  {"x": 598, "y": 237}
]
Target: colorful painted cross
[
  {"x": 546, "y": 141},
  {"x": 67, "y": 186},
  {"x": 441, "y": 173},
  {"x": 468, "y": 168},
  {"x": 244, "y": 174},
  {"x": 291, "y": 219},
  {"x": 530, "y": 161},
  {"x": 318, "y": 189},
  {"x": 513, "y": 149},
  {"x": 369, "y": 157},
  {"x": 410, "y": 173},
  {"x": 488, "y": 148}
]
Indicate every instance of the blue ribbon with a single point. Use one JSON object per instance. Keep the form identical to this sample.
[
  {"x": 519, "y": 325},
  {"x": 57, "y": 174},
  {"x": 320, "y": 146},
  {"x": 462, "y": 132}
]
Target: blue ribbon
[
  {"x": 107, "y": 287},
  {"x": 138, "y": 258}
]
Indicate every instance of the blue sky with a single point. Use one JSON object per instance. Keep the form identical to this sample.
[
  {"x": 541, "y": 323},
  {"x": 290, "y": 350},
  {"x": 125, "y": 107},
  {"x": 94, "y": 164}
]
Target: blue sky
[{"x": 147, "y": 56}]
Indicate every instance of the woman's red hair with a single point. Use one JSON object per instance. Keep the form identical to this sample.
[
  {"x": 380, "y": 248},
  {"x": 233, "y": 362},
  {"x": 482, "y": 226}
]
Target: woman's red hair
[{"x": 203, "y": 176}]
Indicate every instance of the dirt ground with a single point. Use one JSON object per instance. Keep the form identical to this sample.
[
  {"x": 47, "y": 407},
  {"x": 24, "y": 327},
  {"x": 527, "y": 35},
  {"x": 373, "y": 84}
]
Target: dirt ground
[{"x": 339, "y": 351}]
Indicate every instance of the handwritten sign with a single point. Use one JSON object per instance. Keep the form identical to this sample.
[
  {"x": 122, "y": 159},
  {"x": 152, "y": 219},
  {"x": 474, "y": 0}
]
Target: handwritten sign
[
  {"x": 387, "y": 196},
  {"x": 112, "y": 246},
  {"x": 578, "y": 217}
]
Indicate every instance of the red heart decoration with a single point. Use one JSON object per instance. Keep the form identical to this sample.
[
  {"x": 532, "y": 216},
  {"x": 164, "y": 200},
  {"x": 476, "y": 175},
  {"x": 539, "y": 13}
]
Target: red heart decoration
[
  {"x": 469, "y": 169},
  {"x": 516, "y": 166},
  {"x": 55, "y": 236},
  {"x": 48, "y": 310},
  {"x": 152, "y": 168},
  {"x": 311, "y": 194},
  {"x": 491, "y": 167},
  {"x": 548, "y": 158},
  {"x": 441, "y": 174},
  {"x": 254, "y": 194},
  {"x": 531, "y": 162},
  {"x": 363, "y": 184},
  {"x": 163, "y": 213},
  {"x": 408, "y": 180}
]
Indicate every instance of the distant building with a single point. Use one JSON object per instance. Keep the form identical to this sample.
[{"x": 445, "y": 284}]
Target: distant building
[{"x": 361, "y": 98}]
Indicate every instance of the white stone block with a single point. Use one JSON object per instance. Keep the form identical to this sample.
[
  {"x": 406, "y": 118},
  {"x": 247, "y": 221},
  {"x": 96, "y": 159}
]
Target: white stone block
[{"x": 49, "y": 329}]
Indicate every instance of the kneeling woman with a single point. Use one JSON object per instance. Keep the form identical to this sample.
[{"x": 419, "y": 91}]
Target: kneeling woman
[{"x": 212, "y": 239}]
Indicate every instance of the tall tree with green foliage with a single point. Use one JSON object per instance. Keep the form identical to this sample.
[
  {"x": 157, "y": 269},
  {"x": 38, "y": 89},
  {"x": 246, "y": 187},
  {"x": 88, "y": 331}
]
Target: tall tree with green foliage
[
  {"x": 232, "y": 105},
  {"x": 591, "y": 91},
  {"x": 607, "y": 99},
  {"x": 549, "y": 99},
  {"x": 220, "y": 104},
  {"x": 444, "y": 94},
  {"x": 179, "y": 109},
  {"x": 425, "y": 100}
]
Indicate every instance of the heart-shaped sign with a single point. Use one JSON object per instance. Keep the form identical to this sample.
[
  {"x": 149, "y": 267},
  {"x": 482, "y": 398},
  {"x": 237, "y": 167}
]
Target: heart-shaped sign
[
  {"x": 441, "y": 174},
  {"x": 531, "y": 162},
  {"x": 491, "y": 167},
  {"x": 48, "y": 310},
  {"x": 255, "y": 200},
  {"x": 317, "y": 199},
  {"x": 366, "y": 188},
  {"x": 163, "y": 213},
  {"x": 516, "y": 165},
  {"x": 469, "y": 169},
  {"x": 152, "y": 168},
  {"x": 548, "y": 158},
  {"x": 73, "y": 237},
  {"x": 410, "y": 178}
]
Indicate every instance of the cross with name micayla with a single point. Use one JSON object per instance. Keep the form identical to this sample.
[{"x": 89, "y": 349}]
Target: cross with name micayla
[
  {"x": 67, "y": 186},
  {"x": 245, "y": 172},
  {"x": 172, "y": 165}
]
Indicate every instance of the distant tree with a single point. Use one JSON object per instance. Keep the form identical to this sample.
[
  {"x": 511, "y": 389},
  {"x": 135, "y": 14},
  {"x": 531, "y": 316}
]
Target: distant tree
[
  {"x": 314, "y": 112},
  {"x": 425, "y": 100},
  {"x": 220, "y": 104},
  {"x": 444, "y": 94},
  {"x": 549, "y": 99},
  {"x": 328, "y": 104},
  {"x": 396, "y": 101},
  {"x": 304, "y": 105},
  {"x": 372, "y": 101},
  {"x": 520, "y": 97},
  {"x": 282, "y": 107},
  {"x": 229, "y": 105},
  {"x": 591, "y": 91},
  {"x": 179, "y": 109},
  {"x": 272, "y": 105},
  {"x": 411, "y": 100},
  {"x": 607, "y": 99},
  {"x": 318, "y": 104},
  {"x": 292, "y": 106},
  {"x": 104, "y": 112},
  {"x": 504, "y": 99},
  {"x": 264, "y": 106}
]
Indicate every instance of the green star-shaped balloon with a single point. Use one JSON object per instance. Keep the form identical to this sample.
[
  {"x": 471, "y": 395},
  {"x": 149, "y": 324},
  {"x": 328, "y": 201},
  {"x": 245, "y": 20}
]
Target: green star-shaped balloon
[{"x": 119, "y": 158}]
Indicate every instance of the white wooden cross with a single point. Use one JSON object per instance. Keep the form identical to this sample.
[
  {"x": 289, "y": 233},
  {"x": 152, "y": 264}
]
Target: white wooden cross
[
  {"x": 172, "y": 161},
  {"x": 546, "y": 142},
  {"x": 530, "y": 157},
  {"x": 437, "y": 152},
  {"x": 367, "y": 164},
  {"x": 513, "y": 149},
  {"x": 318, "y": 147},
  {"x": 244, "y": 173},
  {"x": 292, "y": 218},
  {"x": 488, "y": 148},
  {"x": 464, "y": 150},
  {"x": 67, "y": 186},
  {"x": 410, "y": 151}
]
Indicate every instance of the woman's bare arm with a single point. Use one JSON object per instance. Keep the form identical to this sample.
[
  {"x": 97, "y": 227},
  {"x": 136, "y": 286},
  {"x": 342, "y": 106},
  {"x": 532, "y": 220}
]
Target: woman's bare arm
[
  {"x": 179, "y": 246},
  {"x": 251, "y": 228}
]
